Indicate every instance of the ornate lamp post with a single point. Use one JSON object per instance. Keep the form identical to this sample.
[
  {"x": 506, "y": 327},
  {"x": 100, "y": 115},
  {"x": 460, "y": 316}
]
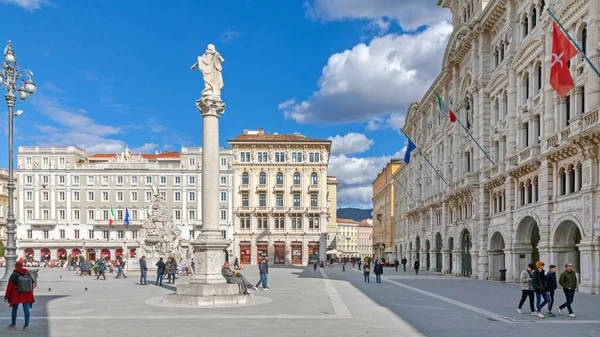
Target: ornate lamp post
[{"x": 13, "y": 80}]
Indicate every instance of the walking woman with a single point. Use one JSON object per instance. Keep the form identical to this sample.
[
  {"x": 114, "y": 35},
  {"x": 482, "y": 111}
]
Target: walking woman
[
  {"x": 367, "y": 272},
  {"x": 19, "y": 292},
  {"x": 527, "y": 289}
]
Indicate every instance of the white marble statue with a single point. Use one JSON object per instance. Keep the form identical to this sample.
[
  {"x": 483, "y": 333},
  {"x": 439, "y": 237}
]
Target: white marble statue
[{"x": 210, "y": 64}]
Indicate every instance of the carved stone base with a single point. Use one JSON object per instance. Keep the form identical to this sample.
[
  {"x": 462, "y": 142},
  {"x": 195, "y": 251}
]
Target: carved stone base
[
  {"x": 210, "y": 257},
  {"x": 207, "y": 295}
]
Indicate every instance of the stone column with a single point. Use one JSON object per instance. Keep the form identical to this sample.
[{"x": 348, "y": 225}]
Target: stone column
[
  {"x": 209, "y": 244},
  {"x": 512, "y": 113}
]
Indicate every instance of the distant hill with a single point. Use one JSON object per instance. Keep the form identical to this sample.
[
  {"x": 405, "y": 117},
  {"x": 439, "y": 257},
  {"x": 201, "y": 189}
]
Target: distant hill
[{"x": 356, "y": 214}]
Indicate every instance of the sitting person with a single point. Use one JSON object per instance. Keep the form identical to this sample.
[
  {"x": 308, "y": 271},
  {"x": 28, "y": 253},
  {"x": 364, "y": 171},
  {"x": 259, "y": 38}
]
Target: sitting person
[{"x": 235, "y": 277}]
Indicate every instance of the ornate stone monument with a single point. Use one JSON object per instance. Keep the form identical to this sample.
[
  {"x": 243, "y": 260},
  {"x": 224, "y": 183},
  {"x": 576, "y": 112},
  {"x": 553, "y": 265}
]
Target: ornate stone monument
[{"x": 208, "y": 287}]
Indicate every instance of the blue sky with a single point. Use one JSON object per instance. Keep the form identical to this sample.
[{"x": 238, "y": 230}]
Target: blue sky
[{"x": 116, "y": 73}]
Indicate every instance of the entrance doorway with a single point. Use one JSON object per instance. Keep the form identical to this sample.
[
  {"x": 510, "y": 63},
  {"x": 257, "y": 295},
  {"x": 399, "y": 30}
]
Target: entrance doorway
[
  {"x": 465, "y": 258},
  {"x": 297, "y": 254},
  {"x": 262, "y": 251},
  {"x": 438, "y": 253},
  {"x": 496, "y": 256},
  {"x": 566, "y": 240},
  {"x": 450, "y": 255},
  {"x": 427, "y": 255},
  {"x": 528, "y": 236},
  {"x": 245, "y": 254},
  {"x": 279, "y": 251},
  {"x": 418, "y": 249},
  {"x": 90, "y": 255}
]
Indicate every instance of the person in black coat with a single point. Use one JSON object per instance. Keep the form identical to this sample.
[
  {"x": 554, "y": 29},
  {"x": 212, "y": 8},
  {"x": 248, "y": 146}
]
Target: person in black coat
[
  {"x": 538, "y": 281},
  {"x": 160, "y": 271},
  {"x": 551, "y": 286},
  {"x": 417, "y": 266},
  {"x": 378, "y": 270}
]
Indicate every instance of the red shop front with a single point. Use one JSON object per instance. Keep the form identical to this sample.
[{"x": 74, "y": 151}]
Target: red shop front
[
  {"x": 279, "y": 251},
  {"x": 313, "y": 252},
  {"x": 262, "y": 251},
  {"x": 245, "y": 253},
  {"x": 296, "y": 253}
]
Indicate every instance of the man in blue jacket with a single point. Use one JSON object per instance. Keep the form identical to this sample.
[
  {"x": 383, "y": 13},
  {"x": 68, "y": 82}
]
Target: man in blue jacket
[
  {"x": 263, "y": 269},
  {"x": 143, "y": 271},
  {"x": 551, "y": 286}
]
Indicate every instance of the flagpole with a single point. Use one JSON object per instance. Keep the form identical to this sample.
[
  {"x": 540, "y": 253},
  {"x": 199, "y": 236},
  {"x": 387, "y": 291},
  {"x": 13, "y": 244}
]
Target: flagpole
[
  {"x": 410, "y": 196},
  {"x": 573, "y": 41},
  {"x": 426, "y": 159}
]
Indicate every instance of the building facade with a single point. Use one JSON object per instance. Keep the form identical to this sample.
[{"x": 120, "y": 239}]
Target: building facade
[
  {"x": 365, "y": 239},
  {"x": 3, "y": 205},
  {"x": 383, "y": 211},
  {"x": 65, "y": 196},
  {"x": 539, "y": 199},
  {"x": 332, "y": 184},
  {"x": 347, "y": 238},
  {"x": 280, "y": 197}
]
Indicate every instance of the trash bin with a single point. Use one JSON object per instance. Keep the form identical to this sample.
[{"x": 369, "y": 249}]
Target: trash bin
[
  {"x": 34, "y": 275},
  {"x": 502, "y": 275}
]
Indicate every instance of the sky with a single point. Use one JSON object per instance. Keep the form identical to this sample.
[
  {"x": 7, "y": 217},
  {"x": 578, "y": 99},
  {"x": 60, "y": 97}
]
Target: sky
[{"x": 112, "y": 74}]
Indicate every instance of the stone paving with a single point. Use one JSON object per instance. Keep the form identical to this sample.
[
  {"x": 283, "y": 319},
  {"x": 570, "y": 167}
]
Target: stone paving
[{"x": 301, "y": 302}]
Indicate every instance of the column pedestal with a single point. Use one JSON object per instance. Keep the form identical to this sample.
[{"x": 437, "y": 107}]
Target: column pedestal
[{"x": 208, "y": 287}]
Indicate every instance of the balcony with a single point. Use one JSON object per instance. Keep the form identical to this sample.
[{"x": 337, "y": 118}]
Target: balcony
[
  {"x": 494, "y": 171},
  {"x": 278, "y": 187},
  {"x": 297, "y": 209},
  {"x": 316, "y": 209},
  {"x": 313, "y": 188},
  {"x": 590, "y": 120},
  {"x": 279, "y": 209},
  {"x": 262, "y": 209},
  {"x": 42, "y": 222},
  {"x": 244, "y": 187},
  {"x": 244, "y": 209},
  {"x": 296, "y": 188},
  {"x": 468, "y": 180},
  {"x": 559, "y": 138},
  {"x": 261, "y": 187},
  {"x": 527, "y": 154}
]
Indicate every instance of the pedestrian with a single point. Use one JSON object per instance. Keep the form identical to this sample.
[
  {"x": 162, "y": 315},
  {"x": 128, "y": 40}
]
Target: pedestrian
[
  {"x": 538, "y": 281},
  {"x": 236, "y": 263},
  {"x": 396, "y": 264},
  {"x": 143, "y": 271},
  {"x": 236, "y": 277},
  {"x": 344, "y": 265},
  {"x": 120, "y": 266},
  {"x": 404, "y": 262},
  {"x": 172, "y": 270},
  {"x": 359, "y": 263},
  {"x": 367, "y": 272},
  {"x": 263, "y": 269},
  {"x": 417, "y": 265},
  {"x": 315, "y": 266},
  {"x": 160, "y": 271},
  {"x": 378, "y": 270},
  {"x": 193, "y": 265},
  {"x": 568, "y": 280},
  {"x": 19, "y": 290},
  {"x": 551, "y": 287},
  {"x": 101, "y": 267},
  {"x": 526, "y": 289}
]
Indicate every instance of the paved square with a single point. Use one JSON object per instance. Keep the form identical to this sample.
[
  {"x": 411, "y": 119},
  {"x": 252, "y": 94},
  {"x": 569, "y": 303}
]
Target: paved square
[{"x": 301, "y": 302}]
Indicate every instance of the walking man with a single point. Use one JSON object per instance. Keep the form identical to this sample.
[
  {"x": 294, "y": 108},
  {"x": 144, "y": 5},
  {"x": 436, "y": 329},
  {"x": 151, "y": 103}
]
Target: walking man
[
  {"x": 143, "y": 271},
  {"x": 551, "y": 287},
  {"x": 568, "y": 280},
  {"x": 120, "y": 265},
  {"x": 538, "y": 281},
  {"x": 404, "y": 262},
  {"x": 378, "y": 269},
  {"x": 160, "y": 271},
  {"x": 263, "y": 268},
  {"x": 19, "y": 290},
  {"x": 101, "y": 268},
  {"x": 526, "y": 289},
  {"x": 396, "y": 264},
  {"x": 417, "y": 266}
]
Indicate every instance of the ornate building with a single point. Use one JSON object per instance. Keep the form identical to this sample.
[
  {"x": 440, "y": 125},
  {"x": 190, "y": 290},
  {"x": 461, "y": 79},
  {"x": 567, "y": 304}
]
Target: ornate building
[
  {"x": 539, "y": 200},
  {"x": 3, "y": 205},
  {"x": 383, "y": 212},
  {"x": 332, "y": 184},
  {"x": 281, "y": 197},
  {"x": 347, "y": 237},
  {"x": 365, "y": 239},
  {"x": 65, "y": 196}
]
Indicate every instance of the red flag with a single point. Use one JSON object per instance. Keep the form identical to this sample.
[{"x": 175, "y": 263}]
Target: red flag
[
  {"x": 562, "y": 51},
  {"x": 452, "y": 117},
  {"x": 43, "y": 186}
]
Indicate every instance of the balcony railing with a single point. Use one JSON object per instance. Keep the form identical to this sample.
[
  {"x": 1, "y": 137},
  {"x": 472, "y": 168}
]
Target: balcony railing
[
  {"x": 244, "y": 209},
  {"x": 316, "y": 209},
  {"x": 494, "y": 170},
  {"x": 244, "y": 187},
  {"x": 262, "y": 209},
  {"x": 279, "y": 209},
  {"x": 558, "y": 138},
  {"x": 42, "y": 222},
  {"x": 261, "y": 187},
  {"x": 278, "y": 187},
  {"x": 297, "y": 187},
  {"x": 313, "y": 188},
  {"x": 297, "y": 209}
]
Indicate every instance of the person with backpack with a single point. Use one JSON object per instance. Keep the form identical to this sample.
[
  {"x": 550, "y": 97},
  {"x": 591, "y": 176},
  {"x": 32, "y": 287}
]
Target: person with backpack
[
  {"x": 160, "y": 271},
  {"x": 120, "y": 266},
  {"x": 100, "y": 269},
  {"x": 19, "y": 290},
  {"x": 367, "y": 272}
]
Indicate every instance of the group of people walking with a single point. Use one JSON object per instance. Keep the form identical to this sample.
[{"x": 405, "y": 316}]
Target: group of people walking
[{"x": 535, "y": 281}]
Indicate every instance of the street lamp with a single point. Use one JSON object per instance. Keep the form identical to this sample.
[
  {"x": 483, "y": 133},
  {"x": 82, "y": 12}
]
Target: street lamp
[{"x": 13, "y": 80}]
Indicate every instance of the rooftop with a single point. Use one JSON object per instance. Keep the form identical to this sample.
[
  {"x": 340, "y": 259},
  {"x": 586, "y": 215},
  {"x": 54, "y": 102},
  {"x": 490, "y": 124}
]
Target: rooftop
[
  {"x": 260, "y": 136},
  {"x": 346, "y": 220},
  {"x": 364, "y": 224},
  {"x": 156, "y": 156}
]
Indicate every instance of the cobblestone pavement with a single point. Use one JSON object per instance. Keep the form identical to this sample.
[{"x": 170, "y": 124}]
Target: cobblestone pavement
[{"x": 301, "y": 302}]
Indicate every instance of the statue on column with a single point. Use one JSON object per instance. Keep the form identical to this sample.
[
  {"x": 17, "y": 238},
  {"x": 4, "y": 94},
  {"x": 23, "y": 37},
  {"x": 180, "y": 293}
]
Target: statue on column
[{"x": 210, "y": 64}]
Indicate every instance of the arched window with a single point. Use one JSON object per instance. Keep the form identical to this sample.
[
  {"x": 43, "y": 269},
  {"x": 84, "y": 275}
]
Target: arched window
[
  {"x": 542, "y": 5},
  {"x": 584, "y": 39},
  {"x": 536, "y": 188},
  {"x": 262, "y": 178},
  {"x": 522, "y": 190},
  {"x": 297, "y": 178},
  {"x": 279, "y": 178},
  {"x": 529, "y": 192},
  {"x": 496, "y": 110},
  {"x": 525, "y": 87},
  {"x": 538, "y": 77},
  {"x": 502, "y": 52},
  {"x": 563, "y": 181},
  {"x": 525, "y": 26},
  {"x": 571, "y": 179},
  {"x": 314, "y": 179},
  {"x": 495, "y": 203},
  {"x": 245, "y": 179},
  {"x": 580, "y": 177},
  {"x": 533, "y": 18},
  {"x": 496, "y": 56},
  {"x": 501, "y": 202}
]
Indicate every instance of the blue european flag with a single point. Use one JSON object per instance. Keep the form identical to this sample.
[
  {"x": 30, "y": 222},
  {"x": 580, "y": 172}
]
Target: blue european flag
[
  {"x": 126, "y": 216},
  {"x": 409, "y": 148}
]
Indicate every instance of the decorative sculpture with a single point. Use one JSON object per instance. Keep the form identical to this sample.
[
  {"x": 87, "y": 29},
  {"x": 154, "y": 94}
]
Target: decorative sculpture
[
  {"x": 210, "y": 64},
  {"x": 159, "y": 236}
]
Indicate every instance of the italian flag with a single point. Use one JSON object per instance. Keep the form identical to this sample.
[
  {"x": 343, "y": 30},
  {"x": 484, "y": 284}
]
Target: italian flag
[
  {"x": 444, "y": 108},
  {"x": 111, "y": 216}
]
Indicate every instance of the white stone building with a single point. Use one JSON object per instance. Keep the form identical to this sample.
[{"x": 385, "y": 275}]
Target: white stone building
[
  {"x": 347, "y": 237},
  {"x": 365, "y": 239},
  {"x": 280, "y": 197},
  {"x": 540, "y": 199},
  {"x": 65, "y": 196}
]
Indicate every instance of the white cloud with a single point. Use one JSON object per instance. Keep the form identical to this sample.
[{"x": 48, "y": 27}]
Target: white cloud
[
  {"x": 289, "y": 103},
  {"x": 51, "y": 87},
  {"x": 359, "y": 196},
  {"x": 409, "y": 14},
  {"x": 352, "y": 142},
  {"x": 374, "y": 80},
  {"x": 146, "y": 148},
  {"x": 393, "y": 121},
  {"x": 229, "y": 35},
  {"x": 30, "y": 5}
]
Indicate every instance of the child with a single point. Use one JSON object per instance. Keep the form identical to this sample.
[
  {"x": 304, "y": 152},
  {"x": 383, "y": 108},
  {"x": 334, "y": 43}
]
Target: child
[{"x": 550, "y": 288}]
